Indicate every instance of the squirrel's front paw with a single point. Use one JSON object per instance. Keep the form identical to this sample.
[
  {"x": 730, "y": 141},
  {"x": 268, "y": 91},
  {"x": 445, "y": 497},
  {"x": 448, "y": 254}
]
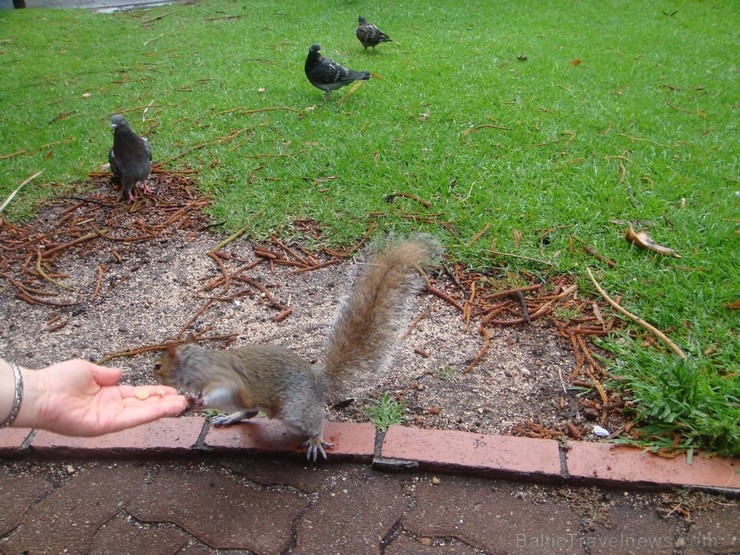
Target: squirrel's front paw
[
  {"x": 234, "y": 418},
  {"x": 194, "y": 399}
]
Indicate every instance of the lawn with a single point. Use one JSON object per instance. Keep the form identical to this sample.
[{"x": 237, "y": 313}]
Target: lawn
[{"x": 549, "y": 125}]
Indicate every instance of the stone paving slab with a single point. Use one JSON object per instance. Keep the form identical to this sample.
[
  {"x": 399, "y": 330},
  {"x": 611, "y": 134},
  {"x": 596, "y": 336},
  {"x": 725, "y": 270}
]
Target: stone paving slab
[
  {"x": 630, "y": 530},
  {"x": 353, "y": 516},
  {"x": 492, "y": 520},
  {"x": 11, "y": 489},
  {"x": 221, "y": 511},
  {"x": 122, "y": 535},
  {"x": 716, "y": 531},
  {"x": 67, "y": 518},
  {"x": 406, "y": 544}
]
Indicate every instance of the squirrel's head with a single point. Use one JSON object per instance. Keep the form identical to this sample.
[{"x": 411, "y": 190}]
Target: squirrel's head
[
  {"x": 164, "y": 364},
  {"x": 167, "y": 361}
]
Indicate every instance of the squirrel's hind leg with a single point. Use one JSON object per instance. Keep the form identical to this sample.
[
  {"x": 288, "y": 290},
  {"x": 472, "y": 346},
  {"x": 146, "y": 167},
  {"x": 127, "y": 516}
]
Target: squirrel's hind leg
[
  {"x": 307, "y": 421},
  {"x": 315, "y": 447},
  {"x": 233, "y": 418}
]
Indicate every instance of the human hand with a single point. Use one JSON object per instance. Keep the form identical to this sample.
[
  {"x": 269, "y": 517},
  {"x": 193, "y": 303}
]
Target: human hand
[{"x": 79, "y": 398}]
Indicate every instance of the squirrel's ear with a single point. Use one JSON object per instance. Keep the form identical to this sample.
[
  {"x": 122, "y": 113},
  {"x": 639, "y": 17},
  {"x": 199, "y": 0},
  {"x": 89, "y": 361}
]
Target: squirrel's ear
[
  {"x": 171, "y": 351},
  {"x": 190, "y": 338}
]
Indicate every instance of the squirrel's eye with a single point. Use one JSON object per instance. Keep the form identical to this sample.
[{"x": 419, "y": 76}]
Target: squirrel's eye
[{"x": 157, "y": 366}]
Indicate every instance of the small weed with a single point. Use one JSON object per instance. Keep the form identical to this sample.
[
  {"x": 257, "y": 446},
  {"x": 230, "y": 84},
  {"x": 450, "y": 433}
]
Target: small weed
[
  {"x": 446, "y": 373},
  {"x": 566, "y": 314},
  {"x": 210, "y": 414},
  {"x": 384, "y": 412}
]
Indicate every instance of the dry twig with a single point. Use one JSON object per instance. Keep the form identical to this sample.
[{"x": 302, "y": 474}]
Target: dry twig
[{"x": 636, "y": 319}]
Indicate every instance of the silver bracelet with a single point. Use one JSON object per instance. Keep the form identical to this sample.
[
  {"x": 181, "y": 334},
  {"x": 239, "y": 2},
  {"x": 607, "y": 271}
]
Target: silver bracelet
[{"x": 17, "y": 398}]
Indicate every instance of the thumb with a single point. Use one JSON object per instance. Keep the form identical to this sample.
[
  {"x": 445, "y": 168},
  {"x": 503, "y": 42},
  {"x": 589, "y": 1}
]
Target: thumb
[{"x": 106, "y": 376}]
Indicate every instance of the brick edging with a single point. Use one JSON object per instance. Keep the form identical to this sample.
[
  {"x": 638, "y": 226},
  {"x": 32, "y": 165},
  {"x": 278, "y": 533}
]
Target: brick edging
[{"x": 541, "y": 460}]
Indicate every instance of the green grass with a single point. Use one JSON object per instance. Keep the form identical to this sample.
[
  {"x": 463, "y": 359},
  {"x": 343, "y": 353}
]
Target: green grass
[{"x": 656, "y": 93}]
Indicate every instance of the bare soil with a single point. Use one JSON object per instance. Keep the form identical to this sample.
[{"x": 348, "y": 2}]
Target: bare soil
[{"x": 146, "y": 280}]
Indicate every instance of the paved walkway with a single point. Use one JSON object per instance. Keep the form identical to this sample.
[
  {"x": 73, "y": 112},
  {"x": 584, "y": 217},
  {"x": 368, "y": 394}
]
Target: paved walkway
[
  {"x": 180, "y": 486},
  {"x": 264, "y": 506},
  {"x": 101, "y": 5}
]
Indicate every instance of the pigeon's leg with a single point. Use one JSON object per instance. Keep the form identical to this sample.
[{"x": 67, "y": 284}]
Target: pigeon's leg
[{"x": 146, "y": 188}]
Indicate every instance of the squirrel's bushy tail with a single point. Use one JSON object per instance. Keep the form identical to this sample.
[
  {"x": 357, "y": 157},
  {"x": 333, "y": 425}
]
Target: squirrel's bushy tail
[{"x": 367, "y": 324}]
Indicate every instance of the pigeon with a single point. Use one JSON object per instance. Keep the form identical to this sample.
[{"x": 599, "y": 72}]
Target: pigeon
[
  {"x": 326, "y": 74},
  {"x": 369, "y": 34},
  {"x": 130, "y": 157}
]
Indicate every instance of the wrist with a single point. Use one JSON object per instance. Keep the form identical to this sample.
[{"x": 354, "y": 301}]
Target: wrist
[
  {"x": 30, "y": 414},
  {"x": 11, "y": 392},
  {"x": 30, "y": 408}
]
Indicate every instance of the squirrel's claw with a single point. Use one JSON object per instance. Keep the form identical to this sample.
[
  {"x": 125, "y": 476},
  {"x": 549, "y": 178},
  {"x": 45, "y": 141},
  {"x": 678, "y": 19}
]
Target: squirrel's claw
[{"x": 315, "y": 447}]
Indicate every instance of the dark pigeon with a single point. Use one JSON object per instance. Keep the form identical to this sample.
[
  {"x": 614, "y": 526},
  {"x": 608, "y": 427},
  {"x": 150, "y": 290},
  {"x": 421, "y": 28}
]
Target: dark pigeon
[
  {"x": 130, "y": 157},
  {"x": 326, "y": 74},
  {"x": 369, "y": 34}
]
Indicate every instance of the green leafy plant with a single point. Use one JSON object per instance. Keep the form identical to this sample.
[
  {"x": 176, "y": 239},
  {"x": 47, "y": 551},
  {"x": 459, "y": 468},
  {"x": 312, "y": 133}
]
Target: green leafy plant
[{"x": 384, "y": 412}]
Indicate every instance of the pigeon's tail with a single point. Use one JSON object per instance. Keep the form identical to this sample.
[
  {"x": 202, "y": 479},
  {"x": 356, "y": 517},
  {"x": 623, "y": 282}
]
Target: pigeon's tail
[{"x": 359, "y": 75}]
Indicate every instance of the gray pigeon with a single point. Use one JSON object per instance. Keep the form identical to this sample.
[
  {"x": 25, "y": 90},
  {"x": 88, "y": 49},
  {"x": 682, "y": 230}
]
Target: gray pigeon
[
  {"x": 369, "y": 34},
  {"x": 326, "y": 74},
  {"x": 130, "y": 157}
]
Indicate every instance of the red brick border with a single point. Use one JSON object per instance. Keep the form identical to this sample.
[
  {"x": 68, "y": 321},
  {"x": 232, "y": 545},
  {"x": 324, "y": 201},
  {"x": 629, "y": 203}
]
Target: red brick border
[
  {"x": 604, "y": 464},
  {"x": 445, "y": 451},
  {"x": 451, "y": 451}
]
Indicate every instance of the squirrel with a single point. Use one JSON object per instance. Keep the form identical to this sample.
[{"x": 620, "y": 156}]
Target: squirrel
[{"x": 273, "y": 379}]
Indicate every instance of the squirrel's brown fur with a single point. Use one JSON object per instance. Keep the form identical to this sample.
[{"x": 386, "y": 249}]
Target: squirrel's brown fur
[{"x": 273, "y": 379}]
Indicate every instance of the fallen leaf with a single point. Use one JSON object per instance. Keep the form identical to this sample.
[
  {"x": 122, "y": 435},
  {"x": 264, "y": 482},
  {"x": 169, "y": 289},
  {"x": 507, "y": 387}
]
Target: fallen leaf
[
  {"x": 643, "y": 240},
  {"x": 575, "y": 62},
  {"x": 734, "y": 306},
  {"x": 573, "y": 431}
]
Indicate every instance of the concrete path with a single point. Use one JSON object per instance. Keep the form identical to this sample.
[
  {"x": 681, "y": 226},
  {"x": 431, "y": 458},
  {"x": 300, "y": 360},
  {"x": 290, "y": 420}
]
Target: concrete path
[{"x": 100, "y": 5}]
